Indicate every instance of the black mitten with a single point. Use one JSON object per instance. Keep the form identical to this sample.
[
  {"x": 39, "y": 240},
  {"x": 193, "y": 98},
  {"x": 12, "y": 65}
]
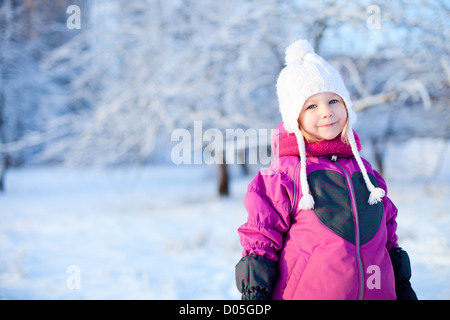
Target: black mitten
[
  {"x": 402, "y": 273},
  {"x": 255, "y": 277}
]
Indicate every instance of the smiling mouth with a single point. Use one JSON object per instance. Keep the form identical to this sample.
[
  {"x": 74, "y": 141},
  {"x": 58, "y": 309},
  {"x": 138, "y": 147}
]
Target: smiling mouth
[{"x": 327, "y": 125}]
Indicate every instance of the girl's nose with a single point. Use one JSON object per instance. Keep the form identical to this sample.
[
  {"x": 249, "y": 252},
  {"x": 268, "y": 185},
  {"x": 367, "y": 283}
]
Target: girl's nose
[{"x": 326, "y": 111}]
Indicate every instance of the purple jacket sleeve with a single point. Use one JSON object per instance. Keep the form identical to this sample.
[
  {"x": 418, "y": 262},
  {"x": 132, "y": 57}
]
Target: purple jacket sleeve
[
  {"x": 268, "y": 202},
  {"x": 399, "y": 258},
  {"x": 391, "y": 215}
]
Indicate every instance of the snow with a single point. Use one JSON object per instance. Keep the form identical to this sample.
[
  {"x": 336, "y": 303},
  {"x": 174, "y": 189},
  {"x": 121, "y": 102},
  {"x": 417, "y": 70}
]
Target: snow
[
  {"x": 420, "y": 188},
  {"x": 161, "y": 232},
  {"x": 153, "y": 233}
]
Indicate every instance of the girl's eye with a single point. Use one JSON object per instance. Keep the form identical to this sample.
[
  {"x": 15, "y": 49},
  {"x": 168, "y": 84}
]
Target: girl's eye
[
  {"x": 333, "y": 101},
  {"x": 311, "y": 106}
]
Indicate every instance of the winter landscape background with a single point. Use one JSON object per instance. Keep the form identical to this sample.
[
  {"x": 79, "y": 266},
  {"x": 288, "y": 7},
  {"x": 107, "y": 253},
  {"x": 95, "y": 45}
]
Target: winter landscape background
[{"x": 92, "y": 203}]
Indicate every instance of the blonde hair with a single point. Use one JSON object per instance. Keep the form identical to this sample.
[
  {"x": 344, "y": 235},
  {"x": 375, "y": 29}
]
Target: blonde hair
[{"x": 312, "y": 139}]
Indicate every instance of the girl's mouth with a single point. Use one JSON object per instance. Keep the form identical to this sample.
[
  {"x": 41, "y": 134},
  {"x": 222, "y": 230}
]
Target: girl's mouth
[{"x": 328, "y": 125}]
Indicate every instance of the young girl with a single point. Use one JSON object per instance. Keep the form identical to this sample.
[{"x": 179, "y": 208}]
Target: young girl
[{"x": 320, "y": 225}]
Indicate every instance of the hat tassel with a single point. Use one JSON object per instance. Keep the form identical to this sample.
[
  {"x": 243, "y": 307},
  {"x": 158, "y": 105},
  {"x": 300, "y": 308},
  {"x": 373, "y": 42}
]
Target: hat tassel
[
  {"x": 375, "y": 195},
  {"x": 306, "y": 202}
]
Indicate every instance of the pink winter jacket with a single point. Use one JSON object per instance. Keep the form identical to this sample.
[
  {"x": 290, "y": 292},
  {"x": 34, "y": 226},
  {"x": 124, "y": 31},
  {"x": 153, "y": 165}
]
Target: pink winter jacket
[{"x": 338, "y": 250}]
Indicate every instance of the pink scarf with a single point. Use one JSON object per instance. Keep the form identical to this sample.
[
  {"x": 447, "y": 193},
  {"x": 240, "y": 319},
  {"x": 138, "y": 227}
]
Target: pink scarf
[{"x": 289, "y": 147}]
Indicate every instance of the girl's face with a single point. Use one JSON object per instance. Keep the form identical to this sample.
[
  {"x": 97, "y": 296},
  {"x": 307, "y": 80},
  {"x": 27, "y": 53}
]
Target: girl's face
[{"x": 323, "y": 116}]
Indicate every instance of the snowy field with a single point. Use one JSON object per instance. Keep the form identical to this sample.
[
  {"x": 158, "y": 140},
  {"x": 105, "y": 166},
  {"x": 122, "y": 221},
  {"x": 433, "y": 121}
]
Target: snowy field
[{"x": 163, "y": 233}]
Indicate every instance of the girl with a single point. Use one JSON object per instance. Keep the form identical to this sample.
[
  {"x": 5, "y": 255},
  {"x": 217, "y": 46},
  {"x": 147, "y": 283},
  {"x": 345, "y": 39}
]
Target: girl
[{"x": 320, "y": 225}]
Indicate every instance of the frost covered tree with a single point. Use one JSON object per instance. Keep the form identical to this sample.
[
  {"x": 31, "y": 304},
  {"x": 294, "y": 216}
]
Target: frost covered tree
[
  {"x": 143, "y": 76},
  {"x": 30, "y": 99},
  {"x": 137, "y": 70},
  {"x": 394, "y": 58}
]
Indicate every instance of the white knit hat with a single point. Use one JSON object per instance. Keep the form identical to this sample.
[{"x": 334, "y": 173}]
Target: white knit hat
[{"x": 305, "y": 75}]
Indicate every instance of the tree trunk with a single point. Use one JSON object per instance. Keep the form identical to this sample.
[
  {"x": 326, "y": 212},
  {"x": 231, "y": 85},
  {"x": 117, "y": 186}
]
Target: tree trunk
[
  {"x": 223, "y": 180},
  {"x": 378, "y": 155},
  {"x": 2, "y": 175},
  {"x": 2, "y": 136}
]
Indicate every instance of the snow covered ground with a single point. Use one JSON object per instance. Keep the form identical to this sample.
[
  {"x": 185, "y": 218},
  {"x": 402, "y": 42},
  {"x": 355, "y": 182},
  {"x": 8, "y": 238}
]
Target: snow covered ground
[{"x": 163, "y": 233}]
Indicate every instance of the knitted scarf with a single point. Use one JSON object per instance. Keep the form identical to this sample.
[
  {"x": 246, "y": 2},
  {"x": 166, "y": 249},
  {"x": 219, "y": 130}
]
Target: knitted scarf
[{"x": 289, "y": 147}]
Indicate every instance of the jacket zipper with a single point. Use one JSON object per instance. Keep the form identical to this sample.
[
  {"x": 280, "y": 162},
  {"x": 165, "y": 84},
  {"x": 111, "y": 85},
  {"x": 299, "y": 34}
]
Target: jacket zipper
[{"x": 357, "y": 231}]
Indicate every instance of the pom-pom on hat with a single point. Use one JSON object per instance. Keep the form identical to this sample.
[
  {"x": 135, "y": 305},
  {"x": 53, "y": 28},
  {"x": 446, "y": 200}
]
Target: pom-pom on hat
[{"x": 305, "y": 75}]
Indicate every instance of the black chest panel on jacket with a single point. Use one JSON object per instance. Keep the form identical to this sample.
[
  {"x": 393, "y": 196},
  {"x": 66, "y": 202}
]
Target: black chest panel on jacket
[{"x": 333, "y": 204}]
